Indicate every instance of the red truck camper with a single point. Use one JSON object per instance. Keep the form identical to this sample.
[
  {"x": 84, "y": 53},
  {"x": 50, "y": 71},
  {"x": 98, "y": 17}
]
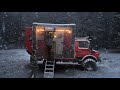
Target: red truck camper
[{"x": 58, "y": 42}]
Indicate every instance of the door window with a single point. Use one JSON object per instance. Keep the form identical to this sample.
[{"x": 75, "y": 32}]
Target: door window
[{"x": 83, "y": 44}]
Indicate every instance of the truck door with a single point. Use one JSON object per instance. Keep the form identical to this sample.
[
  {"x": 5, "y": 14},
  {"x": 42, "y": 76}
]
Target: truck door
[
  {"x": 49, "y": 36},
  {"x": 83, "y": 48},
  {"x": 59, "y": 37},
  {"x": 28, "y": 39},
  {"x": 40, "y": 42}
]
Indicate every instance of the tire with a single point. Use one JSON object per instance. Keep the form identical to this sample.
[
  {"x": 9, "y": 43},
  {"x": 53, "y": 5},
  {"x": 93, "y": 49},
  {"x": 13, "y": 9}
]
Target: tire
[{"x": 89, "y": 65}]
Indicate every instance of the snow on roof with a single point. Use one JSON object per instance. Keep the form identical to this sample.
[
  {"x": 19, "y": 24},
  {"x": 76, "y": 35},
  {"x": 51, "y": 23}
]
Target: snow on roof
[
  {"x": 50, "y": 24},
  {"x": 81, "y": 38}
]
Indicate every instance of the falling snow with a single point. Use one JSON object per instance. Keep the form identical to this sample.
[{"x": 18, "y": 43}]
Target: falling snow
[{"x": 102, "y": 27}]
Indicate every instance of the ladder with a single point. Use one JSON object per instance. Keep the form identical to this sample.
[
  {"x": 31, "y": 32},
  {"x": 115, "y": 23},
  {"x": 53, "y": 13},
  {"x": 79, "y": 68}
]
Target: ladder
[{"x": 49, "y": 69}]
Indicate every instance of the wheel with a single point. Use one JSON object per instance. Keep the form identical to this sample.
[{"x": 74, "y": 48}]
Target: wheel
[{"x": 89, "y": 65}]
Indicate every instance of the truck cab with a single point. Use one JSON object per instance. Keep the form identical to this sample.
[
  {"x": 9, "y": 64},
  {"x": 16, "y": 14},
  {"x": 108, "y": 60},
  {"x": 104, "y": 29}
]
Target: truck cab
[
  {"x": 85, "y": 54},
  {"x": 83, "y": 48}
]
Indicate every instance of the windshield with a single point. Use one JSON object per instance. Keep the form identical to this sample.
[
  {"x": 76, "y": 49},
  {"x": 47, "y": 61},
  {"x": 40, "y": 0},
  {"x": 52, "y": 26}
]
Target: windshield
[{"x": 83, "y": 44}]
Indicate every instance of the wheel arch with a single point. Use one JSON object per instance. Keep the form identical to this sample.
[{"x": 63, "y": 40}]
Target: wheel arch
[{"x": 89, "y": 56}]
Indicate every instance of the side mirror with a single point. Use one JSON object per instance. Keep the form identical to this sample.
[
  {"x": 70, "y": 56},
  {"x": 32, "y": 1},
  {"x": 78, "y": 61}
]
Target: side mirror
[{"x": 90, "y": 47}]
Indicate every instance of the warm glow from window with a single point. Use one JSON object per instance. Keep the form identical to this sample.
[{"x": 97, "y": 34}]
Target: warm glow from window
[
  {"x": 39, "y": 28},
  {"x": 55, "y": 36},
  {"x": 69, "y": 31}
]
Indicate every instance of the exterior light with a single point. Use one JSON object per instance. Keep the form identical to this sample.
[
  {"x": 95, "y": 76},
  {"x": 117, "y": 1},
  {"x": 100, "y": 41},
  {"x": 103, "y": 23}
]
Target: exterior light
[
  {"x": 55, "y": 36},
  {"x": 69, "y": 31}
]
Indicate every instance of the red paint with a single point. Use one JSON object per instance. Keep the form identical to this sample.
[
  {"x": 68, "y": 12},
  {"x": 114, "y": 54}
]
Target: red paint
[
  {"x": 67, "y": 40},
  {"x": 81, "y": 52},
  {"x": 28, "y": 42}
]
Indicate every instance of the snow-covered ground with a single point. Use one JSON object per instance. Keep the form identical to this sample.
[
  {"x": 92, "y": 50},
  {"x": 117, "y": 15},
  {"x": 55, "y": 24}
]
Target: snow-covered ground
[{"x": 15, "y": 64}]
